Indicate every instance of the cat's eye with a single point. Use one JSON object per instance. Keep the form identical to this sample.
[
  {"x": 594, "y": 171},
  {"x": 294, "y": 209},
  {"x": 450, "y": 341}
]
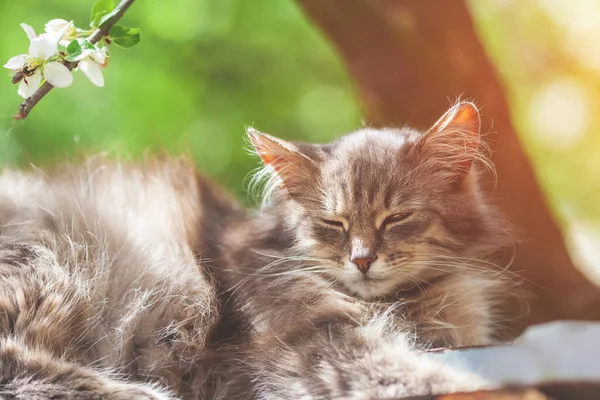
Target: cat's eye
[
  {"x": 333, "y": 223},
  {"x": 398, "y": 217}
]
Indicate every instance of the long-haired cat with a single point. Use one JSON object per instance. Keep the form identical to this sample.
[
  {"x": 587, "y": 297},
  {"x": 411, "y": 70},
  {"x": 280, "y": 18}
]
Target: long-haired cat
[
  {"x": 388, "y": 215},
  {"x": 121, "y": 281},
  {"x": 385, "y": 228}
]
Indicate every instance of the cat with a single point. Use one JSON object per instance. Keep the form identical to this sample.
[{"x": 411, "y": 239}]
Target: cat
[
  {"x": 383, "y": 227},
  {"x": 387, "y": 216},
  {"x": 148, "y": 281}
]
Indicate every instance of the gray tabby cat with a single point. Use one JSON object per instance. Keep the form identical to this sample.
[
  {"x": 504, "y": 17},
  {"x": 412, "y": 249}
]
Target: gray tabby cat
[
  {"x": 120, "y": 281},
  {"x": 380, "y": 234}
]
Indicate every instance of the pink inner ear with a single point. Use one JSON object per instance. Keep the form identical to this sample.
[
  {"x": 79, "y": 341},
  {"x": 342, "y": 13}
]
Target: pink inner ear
[
  {"x": 289, "y": 164},
  {"x": 266, "y": 157},
  {"x": 263, "y": 146},
  {"x": 467, "y": 115},
  {"x": 455, "y": 137},
  {"x": 467, "y": 118},
  {"x": 269, "y": 151}
]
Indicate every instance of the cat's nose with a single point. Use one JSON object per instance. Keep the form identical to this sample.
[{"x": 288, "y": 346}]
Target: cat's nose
[{"x": 364, "y": 263}]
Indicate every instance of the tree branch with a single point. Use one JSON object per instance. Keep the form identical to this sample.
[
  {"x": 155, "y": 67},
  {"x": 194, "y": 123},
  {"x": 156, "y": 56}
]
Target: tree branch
[{"x": 30, "y": 102}]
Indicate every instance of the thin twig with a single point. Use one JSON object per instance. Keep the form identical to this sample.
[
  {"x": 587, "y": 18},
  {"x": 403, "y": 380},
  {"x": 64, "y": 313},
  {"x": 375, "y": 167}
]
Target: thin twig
[{"x": 30, "y": 102}]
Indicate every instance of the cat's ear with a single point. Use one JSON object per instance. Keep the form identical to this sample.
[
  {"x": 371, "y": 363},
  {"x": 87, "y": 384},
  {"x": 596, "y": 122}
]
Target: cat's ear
[
  {"x": 294, "y": 168},
  {"x": 454, "y": 139}
]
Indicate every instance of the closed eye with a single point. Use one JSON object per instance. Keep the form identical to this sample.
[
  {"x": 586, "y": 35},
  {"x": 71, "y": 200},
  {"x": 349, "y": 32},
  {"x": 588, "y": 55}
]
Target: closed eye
[
  {"x": 333, "y": 223},
  {"x": 396, "y": 218}
]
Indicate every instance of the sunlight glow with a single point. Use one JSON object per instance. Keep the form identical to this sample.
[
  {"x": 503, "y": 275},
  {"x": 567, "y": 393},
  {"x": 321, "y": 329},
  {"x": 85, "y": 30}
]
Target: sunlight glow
[
  {"x": 577, "y": 16},
  {"x": 559, "y": 114},
  {"x": 584, "y": 243}
]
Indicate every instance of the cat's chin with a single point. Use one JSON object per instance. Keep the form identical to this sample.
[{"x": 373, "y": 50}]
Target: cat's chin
[{"x": 369, "y": 289}]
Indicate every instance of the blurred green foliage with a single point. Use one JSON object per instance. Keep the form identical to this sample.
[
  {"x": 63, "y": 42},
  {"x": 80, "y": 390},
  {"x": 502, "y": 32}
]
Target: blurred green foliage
[
  {"x": 206, "y": 69},
  {"x": 203, "y": 71}
]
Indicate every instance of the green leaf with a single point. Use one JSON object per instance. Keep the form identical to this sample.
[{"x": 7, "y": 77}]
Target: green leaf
[
  {"x": 99, "y": 9},
  {"x": 124, "y": 37},
  {"x": 79, "y": 48},
  {"x": 74, "y": 49}
]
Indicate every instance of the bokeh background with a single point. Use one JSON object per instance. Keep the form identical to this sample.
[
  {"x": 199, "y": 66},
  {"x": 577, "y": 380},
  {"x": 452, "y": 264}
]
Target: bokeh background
[{"x": 205, "y": 69}]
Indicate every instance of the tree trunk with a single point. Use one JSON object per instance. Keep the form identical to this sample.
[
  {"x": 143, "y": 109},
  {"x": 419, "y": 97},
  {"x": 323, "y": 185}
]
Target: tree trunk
[{"x": 410, "y": 59}]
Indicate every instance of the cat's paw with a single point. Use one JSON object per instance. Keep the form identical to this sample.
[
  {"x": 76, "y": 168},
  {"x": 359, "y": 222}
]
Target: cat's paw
[
  {"x": 392, "y": 382},
  {"x": 389, "y": 370}
]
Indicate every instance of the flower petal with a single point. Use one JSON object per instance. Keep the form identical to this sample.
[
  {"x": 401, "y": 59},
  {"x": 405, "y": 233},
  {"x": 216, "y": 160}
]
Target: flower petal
[
  {"x": 99, "y": 55},
  {"x": 17, "y": 62},
  {"x": 30, "y": 84},
  {"x": 92, "y": 70},
  {"x": 55, "y": 26},
  {"x": 58, "y": 75},
  {"x": 43, "y": 47},
  {"x": 29, "y": 31},
  {"x": 67, "y": 32}
]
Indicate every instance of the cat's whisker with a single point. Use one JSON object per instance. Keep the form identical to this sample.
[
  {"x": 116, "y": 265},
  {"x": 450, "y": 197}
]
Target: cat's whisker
[
  {"x": 255, "y": 273},
  {"x": 449, "y": 268},
  {"x": 280, "y": 259},
  {"x": 476, "y": 261},
  {"x": 486, "y": 269},
  {"x": 467, "y": 262},
  {"x": 458, "y": 269},
  {"x": 294, "y": 273},
  {"x": 487, "y": 265},
  {"x": 288, "y": 257}
]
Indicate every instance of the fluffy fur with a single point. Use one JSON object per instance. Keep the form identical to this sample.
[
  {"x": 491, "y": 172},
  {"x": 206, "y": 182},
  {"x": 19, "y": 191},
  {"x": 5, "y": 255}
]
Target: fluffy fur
[
  {"x": 409, "y": 203},
  {"x": 98, "y": 282},
  {"x": 122, "y": 281}
]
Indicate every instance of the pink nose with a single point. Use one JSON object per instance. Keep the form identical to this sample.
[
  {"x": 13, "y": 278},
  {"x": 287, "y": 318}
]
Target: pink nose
[{"x": 363, "y": 263}]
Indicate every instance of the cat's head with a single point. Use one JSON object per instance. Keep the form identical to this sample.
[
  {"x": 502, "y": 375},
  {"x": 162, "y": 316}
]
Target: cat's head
[{"x": 381, "y": 210}]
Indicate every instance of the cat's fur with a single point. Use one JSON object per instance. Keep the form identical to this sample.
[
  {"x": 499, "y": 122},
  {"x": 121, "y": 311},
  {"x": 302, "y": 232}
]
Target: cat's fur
[
  {"x": 98, "y": 279},
  {"x": 120, "y": 281},
  {"x": 333, "y": 203},
  {"x": 435, "y": 281}
]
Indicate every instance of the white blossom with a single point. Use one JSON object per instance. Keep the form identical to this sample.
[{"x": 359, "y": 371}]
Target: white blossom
[
  {"x": 37, "y": 65},
  {"x": 62, "y": 29},
  {"x": 91, "y": 65}
]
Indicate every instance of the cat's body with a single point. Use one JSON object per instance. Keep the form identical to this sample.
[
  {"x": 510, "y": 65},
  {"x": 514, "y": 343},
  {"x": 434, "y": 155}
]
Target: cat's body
[
  {"x": 114, "y": 275},
  {"x": 97, "y": 269}
]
